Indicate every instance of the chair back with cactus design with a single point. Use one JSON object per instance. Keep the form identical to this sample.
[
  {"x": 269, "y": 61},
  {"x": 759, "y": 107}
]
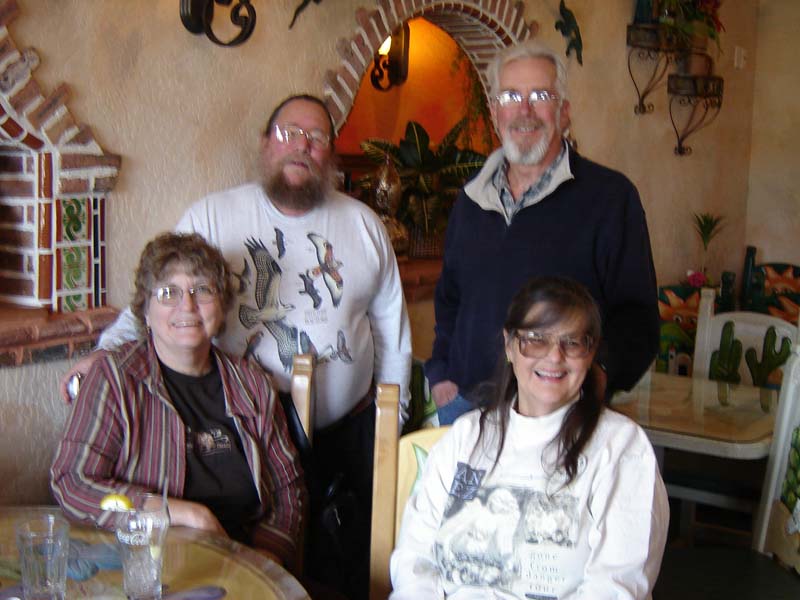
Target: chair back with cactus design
[
  {"x": 777, "y": 528},
  {"x": 741, "y": 347},
  {"x": 732, "y": 572}
]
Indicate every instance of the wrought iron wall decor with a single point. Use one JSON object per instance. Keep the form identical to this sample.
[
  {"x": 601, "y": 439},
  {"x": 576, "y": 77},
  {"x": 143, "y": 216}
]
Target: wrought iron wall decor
[
  {"x": 197, "y": 16},
  {"x": 300, "y": 8},
  {"x": 695, "y": 94},
  {"x": 391, "y": 68},
  {"x": 695, "y": 100},
  {"x": 649, "y": 44}
]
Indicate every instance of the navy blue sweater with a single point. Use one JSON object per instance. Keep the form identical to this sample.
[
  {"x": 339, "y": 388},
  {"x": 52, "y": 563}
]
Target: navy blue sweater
[{"x": 591, "y": 228}]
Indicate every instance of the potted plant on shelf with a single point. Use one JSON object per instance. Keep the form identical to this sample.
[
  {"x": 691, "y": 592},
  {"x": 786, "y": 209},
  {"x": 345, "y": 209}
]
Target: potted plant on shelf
[
  {"x": 431, "y": 178},
  {"x": 691, "y": 22},
  {"x": 688, "y": 25}
]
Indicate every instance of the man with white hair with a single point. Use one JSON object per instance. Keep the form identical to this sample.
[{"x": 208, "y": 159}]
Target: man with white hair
[{"x": 539, "y": 208}]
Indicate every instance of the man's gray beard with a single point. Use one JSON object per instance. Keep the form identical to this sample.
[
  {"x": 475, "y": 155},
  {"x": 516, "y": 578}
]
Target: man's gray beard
[
  {"x": 536, "y": 153},
  {"x": 305, "y": 196},
  {"x": 533, "y": 156}
]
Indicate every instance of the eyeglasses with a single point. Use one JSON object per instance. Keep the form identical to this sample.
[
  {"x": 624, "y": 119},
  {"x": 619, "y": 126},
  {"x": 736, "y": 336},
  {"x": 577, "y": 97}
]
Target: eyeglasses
[
  {"x": 535, "y": 344},
  {"x": 513, "y": 98},
  {"x": 172, "y": 295},
  {"x": 289, "y": 134}
]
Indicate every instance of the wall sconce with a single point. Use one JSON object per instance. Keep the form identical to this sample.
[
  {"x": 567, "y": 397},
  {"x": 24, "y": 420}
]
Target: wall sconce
[
  {"x": 391, "y": 60},
  {"x": 197, "y": 15}
]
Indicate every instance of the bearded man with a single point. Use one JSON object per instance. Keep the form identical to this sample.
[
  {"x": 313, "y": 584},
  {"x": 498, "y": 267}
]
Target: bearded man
[
  {"x": 317, "y": 274},
  {"x": 538, "y": 208}
]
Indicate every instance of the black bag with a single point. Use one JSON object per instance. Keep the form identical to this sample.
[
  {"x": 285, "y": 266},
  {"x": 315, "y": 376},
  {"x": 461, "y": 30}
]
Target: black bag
[{"x": 339, "y": 518}]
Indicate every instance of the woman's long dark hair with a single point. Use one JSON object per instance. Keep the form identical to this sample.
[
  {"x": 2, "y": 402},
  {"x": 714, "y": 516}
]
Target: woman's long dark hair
[{"x": 560, "y": 299}]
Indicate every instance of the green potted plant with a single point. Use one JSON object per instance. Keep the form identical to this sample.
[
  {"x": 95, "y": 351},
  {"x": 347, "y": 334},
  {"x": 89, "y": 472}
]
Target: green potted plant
[
  {"x": 431, "y": 178},
  {"x": 692, "y": 22}
]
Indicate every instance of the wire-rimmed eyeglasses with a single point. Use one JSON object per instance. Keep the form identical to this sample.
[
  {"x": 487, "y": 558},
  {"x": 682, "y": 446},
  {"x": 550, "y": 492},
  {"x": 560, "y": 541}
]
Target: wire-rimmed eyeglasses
[
  {"x": 172, "y": 295},
  {"x": 537, "y": 344},
  {"x": 288, "y": 134},
  {"x": 511, "y": 98}
]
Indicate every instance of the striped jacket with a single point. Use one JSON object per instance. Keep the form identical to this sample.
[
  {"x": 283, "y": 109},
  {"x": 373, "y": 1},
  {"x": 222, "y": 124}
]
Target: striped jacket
[{"x": 125, "y": 436}]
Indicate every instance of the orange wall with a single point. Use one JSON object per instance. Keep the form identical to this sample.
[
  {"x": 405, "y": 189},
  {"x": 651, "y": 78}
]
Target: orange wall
[{"x": 433, "y": 95}]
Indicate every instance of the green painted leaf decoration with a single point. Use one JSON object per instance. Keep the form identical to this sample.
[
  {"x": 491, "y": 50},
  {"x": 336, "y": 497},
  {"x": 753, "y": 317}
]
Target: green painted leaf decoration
[{"x": 421, "y": 456}]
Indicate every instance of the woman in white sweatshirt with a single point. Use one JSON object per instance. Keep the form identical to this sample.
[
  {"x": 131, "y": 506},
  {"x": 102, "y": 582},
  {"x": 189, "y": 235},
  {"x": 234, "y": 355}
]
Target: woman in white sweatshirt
[{"x": 543, "y": 493}]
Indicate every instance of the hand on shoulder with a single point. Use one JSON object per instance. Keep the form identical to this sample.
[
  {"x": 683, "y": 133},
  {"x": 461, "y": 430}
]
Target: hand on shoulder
[{"x": 78, "y": 370}]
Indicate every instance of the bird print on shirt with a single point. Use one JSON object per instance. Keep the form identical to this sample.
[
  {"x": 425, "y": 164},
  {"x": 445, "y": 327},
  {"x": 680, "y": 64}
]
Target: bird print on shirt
[
  {"x": 243, "y": 277},
  {"x": 291, "y": 340},
  {"x": 267, "y": 288},
  {"x": 272, "y": 313},
  {"x": 328, "y": 267},
  {"x": 280, "y": 242},
  {"x": 309, "y": 289}
]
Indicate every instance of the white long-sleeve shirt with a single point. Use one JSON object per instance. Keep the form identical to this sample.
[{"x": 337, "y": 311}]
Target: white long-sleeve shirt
[
  {"x": 325, "y": 282},
  {"x": 515, "y": 534}
]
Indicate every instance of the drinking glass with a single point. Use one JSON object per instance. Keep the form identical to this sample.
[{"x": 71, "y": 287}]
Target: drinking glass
[
  {"x": 141, "y": 533},
  {"x": 43, "y": 544}
]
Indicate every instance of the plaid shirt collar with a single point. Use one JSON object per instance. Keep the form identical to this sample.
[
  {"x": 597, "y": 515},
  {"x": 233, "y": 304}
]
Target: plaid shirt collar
[{"x": 537, "y": 192}]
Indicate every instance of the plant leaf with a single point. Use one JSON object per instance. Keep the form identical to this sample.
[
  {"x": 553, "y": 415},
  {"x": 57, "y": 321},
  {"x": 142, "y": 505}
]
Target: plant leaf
[
  {"x": 707, "y": 227},
  {"x": 451, "y": 137},
  {"x": 415, "y": 145},
  {"x": 376, "y": 150}
]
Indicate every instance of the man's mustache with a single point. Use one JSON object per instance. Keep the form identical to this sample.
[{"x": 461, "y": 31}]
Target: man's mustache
[
  {"x": 526, "y": 123},
  {"x": 298, "y": 158}
]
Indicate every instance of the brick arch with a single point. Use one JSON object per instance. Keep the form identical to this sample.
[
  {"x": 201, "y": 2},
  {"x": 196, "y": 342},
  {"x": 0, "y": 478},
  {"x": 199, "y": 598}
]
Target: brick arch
[
  {"x": 54, "y": 178},
  {"x": 479, "y": 27}
]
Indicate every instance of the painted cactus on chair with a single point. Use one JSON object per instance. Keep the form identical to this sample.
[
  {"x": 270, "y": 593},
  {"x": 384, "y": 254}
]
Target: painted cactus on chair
[
  {"x": 725, "y": 361},
  {"x": 770, "y": 359}
]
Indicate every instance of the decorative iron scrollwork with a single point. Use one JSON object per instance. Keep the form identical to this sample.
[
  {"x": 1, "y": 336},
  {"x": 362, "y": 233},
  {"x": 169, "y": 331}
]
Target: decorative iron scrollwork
[
  {"x": 197, "y": 16},
  {"x": 699, "y": 99}
]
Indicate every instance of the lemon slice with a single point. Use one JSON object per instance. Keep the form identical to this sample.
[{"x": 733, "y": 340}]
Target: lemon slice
[{"x": 116, "y": 502}]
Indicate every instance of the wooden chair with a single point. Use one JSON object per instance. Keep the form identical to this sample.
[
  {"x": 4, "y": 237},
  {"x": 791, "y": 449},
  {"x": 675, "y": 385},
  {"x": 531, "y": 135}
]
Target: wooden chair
[
  {"x": 397, "y": 464},
  {"x": 746, "y": 574},
  {"x": 302, "y": 391}
]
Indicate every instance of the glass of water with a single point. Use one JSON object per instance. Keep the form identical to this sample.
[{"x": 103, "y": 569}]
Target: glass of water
[
  {"x": 141, "y": 533},
  {"x": 43, "y": 543}
]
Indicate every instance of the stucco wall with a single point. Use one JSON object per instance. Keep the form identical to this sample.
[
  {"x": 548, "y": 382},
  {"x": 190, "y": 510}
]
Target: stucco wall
[
  {"x": 31, "y": 421},
  {"x": 773, "y": 205},
  {"x": 185, "y": 116}
]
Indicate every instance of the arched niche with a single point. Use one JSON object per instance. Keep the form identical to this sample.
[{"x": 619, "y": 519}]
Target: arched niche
[{"x": 479, "y": 27}]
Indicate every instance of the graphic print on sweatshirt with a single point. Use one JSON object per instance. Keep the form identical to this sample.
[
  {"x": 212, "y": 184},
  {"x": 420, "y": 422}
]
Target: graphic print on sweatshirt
[
  {"x": 512, "y": 538},
  {"x": 278, "y": 317}
]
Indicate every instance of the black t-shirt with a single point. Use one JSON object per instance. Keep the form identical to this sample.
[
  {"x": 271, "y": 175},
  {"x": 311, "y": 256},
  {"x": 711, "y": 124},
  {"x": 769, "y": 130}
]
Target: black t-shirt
[{"x": 217, "y": 472}]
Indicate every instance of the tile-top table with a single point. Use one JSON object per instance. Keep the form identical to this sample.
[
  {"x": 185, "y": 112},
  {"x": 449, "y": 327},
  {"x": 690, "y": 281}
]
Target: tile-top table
[
  {"x": 702, "y": 416},
  {"x": 197, "y": 566}
]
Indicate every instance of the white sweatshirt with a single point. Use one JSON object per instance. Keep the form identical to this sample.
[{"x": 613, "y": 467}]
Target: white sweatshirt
[{"x": 514, "y": 534}]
